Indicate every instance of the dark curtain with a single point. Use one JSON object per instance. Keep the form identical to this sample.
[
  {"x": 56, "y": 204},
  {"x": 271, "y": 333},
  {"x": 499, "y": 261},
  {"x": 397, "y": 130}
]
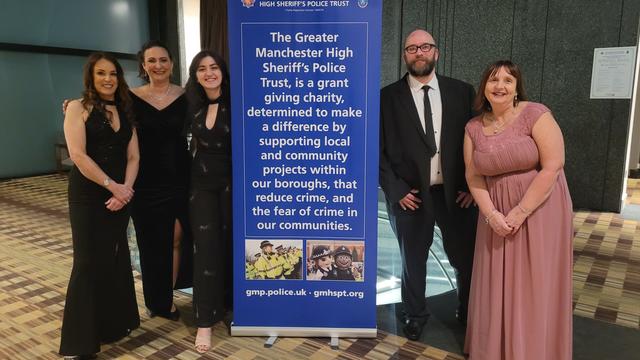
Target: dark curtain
[
  {"x": 163, "y": 26},
  {"x": 213, "y": 27}
]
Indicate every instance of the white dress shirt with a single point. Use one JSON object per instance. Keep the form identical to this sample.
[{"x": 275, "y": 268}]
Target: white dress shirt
[{"x": 436, "y": 114}]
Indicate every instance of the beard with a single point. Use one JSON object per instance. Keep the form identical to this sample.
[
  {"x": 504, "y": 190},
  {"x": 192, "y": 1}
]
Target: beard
[{"x": 423, "y": 70}]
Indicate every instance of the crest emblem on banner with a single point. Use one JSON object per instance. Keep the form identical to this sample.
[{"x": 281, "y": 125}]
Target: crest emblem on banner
[
  {"x": 248, "y": 3},
  {"x": 363, "y": 3}
]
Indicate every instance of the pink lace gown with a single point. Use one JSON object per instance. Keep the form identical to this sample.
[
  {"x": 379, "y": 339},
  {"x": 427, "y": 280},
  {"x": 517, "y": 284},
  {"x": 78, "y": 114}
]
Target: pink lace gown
[{"x": 520, "y": 303}]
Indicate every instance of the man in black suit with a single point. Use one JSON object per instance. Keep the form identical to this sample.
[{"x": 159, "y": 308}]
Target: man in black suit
[{"x": 422, "y": 122}]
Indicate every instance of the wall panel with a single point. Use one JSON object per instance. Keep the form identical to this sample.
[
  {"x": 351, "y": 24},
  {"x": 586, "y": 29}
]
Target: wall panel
[
  {"x": 553, "y": 42},
  {"x": 33, "y": 84}
]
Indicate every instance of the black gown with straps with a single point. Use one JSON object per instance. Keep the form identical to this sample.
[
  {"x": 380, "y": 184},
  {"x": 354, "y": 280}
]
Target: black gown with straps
[
  {"x": 101, "y": 303},
  {"x": 161, "y": 198}
]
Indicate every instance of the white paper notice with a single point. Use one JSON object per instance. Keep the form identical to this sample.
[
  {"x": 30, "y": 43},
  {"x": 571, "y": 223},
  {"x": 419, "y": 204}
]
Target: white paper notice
[{"x": 612, "y": 75}]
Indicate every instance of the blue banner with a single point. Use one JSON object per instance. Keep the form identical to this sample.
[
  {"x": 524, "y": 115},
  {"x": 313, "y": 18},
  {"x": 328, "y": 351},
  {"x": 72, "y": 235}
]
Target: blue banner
[{"x": 305, "y": 84}]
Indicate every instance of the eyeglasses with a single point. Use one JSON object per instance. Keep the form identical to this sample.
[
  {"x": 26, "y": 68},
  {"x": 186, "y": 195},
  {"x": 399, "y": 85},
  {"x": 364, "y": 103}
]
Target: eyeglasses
[{"x": 425, "y": 48}]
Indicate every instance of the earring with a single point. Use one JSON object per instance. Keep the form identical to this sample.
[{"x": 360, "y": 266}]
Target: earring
[{"x": 515, "y": 100}]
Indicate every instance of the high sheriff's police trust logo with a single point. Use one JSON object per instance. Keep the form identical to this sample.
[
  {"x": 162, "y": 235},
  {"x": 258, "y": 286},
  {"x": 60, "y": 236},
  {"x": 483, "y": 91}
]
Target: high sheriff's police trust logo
[
  {"x": 363, "y": 3},
  {"x": 248, "y": 3}
]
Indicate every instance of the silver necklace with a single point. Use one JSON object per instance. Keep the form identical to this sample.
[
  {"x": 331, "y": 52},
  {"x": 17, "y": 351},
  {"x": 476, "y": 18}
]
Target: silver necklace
[
  {"x": 156, "y": 97},
  {"x": 498, "y": 126}
]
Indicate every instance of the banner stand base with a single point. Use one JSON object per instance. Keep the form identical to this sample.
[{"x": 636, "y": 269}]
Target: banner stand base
[
  {"x": 270, "y": 341},
  {"x": 335, "y": 343},
  {"x": 303, "y": 332}
]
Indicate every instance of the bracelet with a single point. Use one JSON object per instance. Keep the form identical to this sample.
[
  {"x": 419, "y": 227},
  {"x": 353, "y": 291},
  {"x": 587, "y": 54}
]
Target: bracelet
[
  {"x": 487, "y": 219},
  {"x": 524, "y": 210}
]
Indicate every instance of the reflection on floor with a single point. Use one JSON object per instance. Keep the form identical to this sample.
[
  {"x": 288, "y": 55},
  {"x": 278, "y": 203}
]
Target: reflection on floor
[
  {"x": 633, "y": 192},
  {"x": 35, "y": 260},
  {"x": 441, "y": 277}
]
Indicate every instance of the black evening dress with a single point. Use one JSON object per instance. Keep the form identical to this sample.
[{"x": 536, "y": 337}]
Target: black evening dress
[
  {"x": 101, "y": 301},
  {"x": 210, "y": 214},
  {"x": 161, "y": 191}
]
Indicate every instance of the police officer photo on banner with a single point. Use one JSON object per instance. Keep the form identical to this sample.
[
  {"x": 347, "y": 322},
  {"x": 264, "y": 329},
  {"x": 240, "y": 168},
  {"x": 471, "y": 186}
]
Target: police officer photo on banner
[
  {"x": 335, "y": 260},
  {"x": 273, "y": 259}
]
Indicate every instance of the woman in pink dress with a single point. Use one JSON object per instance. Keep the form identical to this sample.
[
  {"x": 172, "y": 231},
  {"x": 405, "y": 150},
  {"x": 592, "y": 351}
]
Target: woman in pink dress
[{"x": 520, "y": 305}]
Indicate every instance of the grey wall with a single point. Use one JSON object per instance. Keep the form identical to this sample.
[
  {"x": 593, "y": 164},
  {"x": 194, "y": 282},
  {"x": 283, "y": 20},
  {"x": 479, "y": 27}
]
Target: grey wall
[
  {"x": 553, "y": 42},
  {"x": 33, "y": 84}
]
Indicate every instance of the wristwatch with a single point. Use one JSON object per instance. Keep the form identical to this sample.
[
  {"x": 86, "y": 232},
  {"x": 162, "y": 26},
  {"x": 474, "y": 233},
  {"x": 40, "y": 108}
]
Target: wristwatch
[{"x": 106, "y": 182}]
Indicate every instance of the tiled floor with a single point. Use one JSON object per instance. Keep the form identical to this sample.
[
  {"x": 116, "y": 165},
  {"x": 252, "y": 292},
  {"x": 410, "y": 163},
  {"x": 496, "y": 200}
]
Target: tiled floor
[
  {"x": 35, "y": 261},
  {"x": 606, "y": 271}
]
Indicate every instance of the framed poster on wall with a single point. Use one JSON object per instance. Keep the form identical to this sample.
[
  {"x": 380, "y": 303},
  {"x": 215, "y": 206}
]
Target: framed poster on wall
[{"x": 612, "y": 74}]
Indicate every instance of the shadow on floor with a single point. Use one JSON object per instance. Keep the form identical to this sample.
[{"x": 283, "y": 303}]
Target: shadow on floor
[{"x": 592, "y": 339}]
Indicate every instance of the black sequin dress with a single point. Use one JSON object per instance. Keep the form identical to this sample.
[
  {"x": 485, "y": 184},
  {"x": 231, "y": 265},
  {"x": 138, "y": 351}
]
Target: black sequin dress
[{"x": 210, "y": 214}]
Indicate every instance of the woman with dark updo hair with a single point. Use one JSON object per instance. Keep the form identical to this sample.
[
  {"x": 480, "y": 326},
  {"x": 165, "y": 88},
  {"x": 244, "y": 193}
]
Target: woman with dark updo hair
[
  {"x": 101, "y": 303},
  {"x": 160, "y": 210}
]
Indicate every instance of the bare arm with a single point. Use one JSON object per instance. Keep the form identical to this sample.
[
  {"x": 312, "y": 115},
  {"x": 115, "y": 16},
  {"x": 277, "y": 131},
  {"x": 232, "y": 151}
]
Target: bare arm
[
  {"x": 74, "y": 132},
  {"x": 548, "y": 137},
  {"x": 478, "y": 188}
]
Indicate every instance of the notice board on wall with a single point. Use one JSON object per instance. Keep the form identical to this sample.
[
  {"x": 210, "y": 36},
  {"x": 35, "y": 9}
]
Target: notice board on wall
[{"x": 612, "y": 73}]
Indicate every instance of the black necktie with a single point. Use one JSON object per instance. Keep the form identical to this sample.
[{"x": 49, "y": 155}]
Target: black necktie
[{"x": 428, "y": 123}]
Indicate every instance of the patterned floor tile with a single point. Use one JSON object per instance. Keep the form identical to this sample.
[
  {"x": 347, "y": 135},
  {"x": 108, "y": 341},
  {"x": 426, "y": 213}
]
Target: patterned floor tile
[
  {"x": 35, "y": 262},
  {"x": 36, "y": 258}
]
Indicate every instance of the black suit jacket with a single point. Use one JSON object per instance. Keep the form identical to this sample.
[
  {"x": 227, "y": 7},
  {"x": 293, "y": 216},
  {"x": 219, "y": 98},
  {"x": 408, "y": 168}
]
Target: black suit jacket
[{"x": 404, "y": 159}]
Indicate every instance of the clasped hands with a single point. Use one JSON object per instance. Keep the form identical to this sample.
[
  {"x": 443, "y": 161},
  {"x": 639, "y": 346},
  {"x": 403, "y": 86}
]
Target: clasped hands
[
  {"x": 122, "y": 195},
  {"x": 506, "y": 225}
]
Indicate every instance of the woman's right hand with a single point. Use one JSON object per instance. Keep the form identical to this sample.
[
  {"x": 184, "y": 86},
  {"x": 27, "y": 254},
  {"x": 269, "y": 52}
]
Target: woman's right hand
[
  {"x": 121, "y": 192},
  {"x": 65, "y": 103},
  {"x": 499, "y": 224}
]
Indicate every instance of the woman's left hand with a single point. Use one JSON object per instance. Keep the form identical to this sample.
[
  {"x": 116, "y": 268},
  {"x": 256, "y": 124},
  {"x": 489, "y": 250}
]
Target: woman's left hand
[{"x": 515, "y": 218}]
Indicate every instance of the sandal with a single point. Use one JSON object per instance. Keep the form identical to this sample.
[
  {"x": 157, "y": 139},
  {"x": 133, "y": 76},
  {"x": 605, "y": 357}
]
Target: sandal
[{"x": 203, "y": 340}]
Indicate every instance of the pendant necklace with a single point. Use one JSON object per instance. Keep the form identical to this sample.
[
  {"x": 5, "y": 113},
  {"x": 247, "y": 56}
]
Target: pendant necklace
[
  {"x": 498, "y": 126},
  {"x": 156, "y": 97}
]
